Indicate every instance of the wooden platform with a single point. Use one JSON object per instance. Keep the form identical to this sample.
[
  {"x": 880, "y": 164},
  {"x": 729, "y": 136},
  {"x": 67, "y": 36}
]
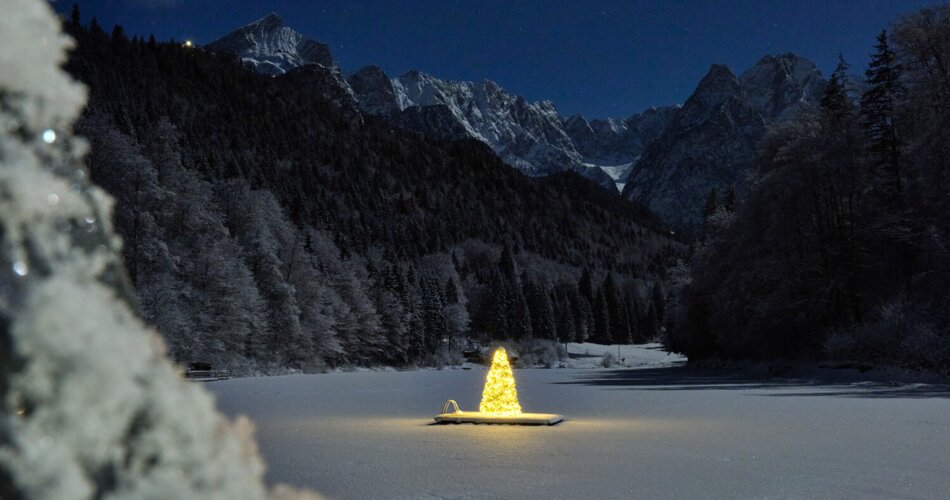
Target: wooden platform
[{"x": 476, "y": 417}]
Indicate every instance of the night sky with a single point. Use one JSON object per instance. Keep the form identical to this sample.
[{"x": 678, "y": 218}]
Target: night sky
[{"x": 597, "y": 58}]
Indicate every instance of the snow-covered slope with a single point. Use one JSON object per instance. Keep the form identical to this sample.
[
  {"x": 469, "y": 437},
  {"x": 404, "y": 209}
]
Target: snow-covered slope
[
  {"x": 526, "y": 135},
  {"x": 531, "y": 136}
]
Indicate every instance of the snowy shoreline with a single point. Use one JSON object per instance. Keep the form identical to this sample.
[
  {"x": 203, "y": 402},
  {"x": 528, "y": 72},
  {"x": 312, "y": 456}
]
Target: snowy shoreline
[
  {"x": 587, "y": 356},
  {"x": 581, "y": 356}
]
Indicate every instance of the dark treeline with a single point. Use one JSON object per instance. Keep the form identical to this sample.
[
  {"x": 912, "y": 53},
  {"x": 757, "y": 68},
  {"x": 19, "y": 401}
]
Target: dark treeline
[
  {"x": 267, "y": 227},
  {"x": 841, "y": 249}
]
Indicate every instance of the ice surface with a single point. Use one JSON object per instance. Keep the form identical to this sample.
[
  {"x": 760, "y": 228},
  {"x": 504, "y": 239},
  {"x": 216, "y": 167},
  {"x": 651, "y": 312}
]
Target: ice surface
[{"x": 667, "y": 432}]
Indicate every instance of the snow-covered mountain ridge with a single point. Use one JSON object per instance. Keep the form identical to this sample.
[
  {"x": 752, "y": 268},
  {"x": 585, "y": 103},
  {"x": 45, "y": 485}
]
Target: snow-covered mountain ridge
[
  {"x": 530, "y": 136},
  {"x": 667, "y": 158}
]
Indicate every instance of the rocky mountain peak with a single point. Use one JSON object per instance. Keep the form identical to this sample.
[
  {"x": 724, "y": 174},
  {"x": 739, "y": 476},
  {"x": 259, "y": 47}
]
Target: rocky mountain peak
[
  {"x": 712, "y": 141},
  {"x": 375, "y": 91},
  {"x": 270, "y": 21},
  {"x": 719, "y": 85},
  {"x": 780, "y": 85},
  {"x": 272, "y": 48}
]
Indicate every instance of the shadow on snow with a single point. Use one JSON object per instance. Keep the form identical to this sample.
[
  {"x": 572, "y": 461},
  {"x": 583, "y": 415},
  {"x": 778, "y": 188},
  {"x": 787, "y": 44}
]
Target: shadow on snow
[{"x": 823, "y": 382}]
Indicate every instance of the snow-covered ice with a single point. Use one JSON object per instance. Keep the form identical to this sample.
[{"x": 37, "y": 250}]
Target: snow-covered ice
[{"x": 652, "y": 432}]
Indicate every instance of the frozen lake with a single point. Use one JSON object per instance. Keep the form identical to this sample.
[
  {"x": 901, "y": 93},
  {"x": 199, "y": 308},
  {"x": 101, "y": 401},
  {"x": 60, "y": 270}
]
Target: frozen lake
[{"x": 667, "y": 432}]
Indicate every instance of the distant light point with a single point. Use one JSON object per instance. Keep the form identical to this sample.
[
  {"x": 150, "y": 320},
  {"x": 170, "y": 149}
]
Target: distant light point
[
  {"x": 188, "y": 44},
  {"x": 20, "y": 268},
  {"x": 49, "y": 136}
]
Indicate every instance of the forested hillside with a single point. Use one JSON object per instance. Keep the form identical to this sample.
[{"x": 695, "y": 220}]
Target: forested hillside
[
  {"x": 267, "y": 228},
  {"x": 841, "y": 248}
]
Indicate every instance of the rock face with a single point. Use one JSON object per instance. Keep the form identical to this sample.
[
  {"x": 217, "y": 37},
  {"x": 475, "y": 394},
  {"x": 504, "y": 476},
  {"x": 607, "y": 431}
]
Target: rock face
[
  {"x": 711, "y": 141},
  {"x": 615, "y": 144},
  {"x": 613, "y": 141},
  {"x": 271, "y": 47},
  {"x": 778, "y": 86},
  {"x": 329, "y": 83},
  {"x": 434, "y": 121},
  {"x": 375, "y": 90}
]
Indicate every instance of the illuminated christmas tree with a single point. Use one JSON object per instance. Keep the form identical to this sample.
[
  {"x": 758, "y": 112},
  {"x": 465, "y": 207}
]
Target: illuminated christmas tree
[{"x": 500, "y": 396}]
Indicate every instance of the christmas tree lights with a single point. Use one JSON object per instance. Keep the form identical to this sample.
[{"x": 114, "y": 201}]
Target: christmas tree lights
[{"x": 500, "y": 396}]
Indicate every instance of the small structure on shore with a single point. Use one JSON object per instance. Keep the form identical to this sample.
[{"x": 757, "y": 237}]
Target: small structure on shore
[{"x": 200, "y": 371}]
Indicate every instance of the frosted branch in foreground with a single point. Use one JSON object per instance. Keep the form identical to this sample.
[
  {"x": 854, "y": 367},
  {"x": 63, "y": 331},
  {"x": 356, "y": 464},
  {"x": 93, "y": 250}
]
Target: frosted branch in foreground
[{"x": 89, "y": 405}]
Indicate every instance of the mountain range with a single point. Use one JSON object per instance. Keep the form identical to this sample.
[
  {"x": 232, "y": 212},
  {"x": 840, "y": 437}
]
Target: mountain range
[{"x": 667, "y": 158}]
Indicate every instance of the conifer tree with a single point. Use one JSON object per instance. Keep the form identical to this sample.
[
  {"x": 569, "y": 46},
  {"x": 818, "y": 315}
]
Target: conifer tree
[
  {"x": 712, "y": 203},
  {"x": 433, "y": 305},
  {"x": 451, "y": 292},
  {"x": 835, "y": 103},
  {"x": 878, "y": 106},
  {"x": 729, "y": 199},
  {"x": 585, "y": 304},
  {"x": 507, "y": 263},
  {"x": 539, "y": 305},
  {"x": 566, "y": 326},
  {"x": 583, "y": 320},
  {"x": 518, "y": 313},
  {"x": 651, "y": 324},
  {"x": 619, "y": 326},
  {"x": 658, "y": 301},
  {"x": 74, "y": 17},
  {"x": 586, "y": 286},
  {"x": 601, "y": 319}
]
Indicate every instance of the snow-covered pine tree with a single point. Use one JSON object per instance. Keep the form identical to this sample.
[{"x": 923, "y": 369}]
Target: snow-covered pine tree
[{"x": 90, "y": 407}]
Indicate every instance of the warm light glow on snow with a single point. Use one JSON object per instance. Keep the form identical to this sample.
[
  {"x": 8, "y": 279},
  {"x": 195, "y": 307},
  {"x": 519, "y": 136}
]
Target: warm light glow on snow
[{"x": 500, "y": 396}]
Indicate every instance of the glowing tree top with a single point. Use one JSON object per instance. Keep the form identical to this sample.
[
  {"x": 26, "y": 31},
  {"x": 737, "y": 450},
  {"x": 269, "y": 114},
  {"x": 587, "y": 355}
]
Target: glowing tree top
[{"x": 500, "y": 396}]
